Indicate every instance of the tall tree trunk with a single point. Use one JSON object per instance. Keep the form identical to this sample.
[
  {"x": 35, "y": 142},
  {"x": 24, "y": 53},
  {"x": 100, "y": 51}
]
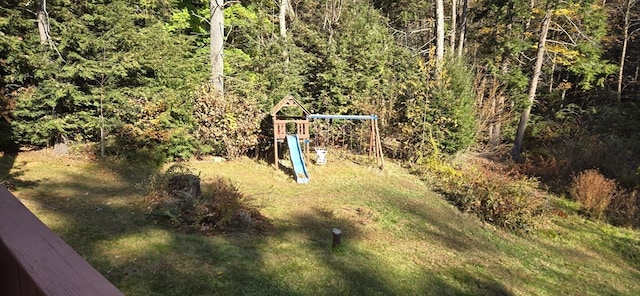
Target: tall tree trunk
[
  {"x": 553, "y": 70},
  {"x": 102, "y": 131},
  {"x": 524, "y": 118},
  {"x": 285, "y": 9},
  {"x": 439, "y": 31},
  {"x": 454, "y": 24},
  {"x": 282, "y": 17},
  {"x": 625, "y": 42},
  {"x": 532, "y": 5},
  {"x": 216, "y": 31},
  {"x": 43, "y": 23},
  {"x": 463, "y": 26}
]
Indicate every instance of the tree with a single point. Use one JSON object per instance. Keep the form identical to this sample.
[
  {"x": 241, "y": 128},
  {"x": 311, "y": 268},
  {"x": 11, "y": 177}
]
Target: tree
[
  {"x": 463, "y": 26},
  {"x": 216, "y": 33},
  {"x": 111, "y": 62},
  {"x": 285, "y": 9},
  {"x": 627, "y": 34},
  {"x": 454, "y": 24},
  {"x": 439, "y": 31},
  {"x": 358, "y": 64},
  {"x": 575, "y": 39},
  {"x": 533, "y": 86},
  {"x": 282, "y": 18},
  {"x": 43, "y": 21}
]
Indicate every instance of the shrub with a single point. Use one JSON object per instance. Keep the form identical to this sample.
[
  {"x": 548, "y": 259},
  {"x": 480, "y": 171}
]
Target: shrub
[
  {"x": 593, "y": 191},
  {"x": 219, "y": 207},
  {"x": 132, "y": 144},
  {"x": 623, "y": 209},
  {"x": 160, "y": 131},
  {"x": 496, "y": 196},
  {"x": 229, "y": 125}
]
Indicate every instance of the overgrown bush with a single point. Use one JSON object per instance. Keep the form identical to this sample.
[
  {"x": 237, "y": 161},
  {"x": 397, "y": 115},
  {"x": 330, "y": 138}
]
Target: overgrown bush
[
  {"x": 228, "y": 125},
  {"x": 593, "y": 191},
  {"x": 160, "y": 130},
  {"x": 623, "y": 209},
  {"x": 218, "y": 207},
  {"x": 496, "y": 196},
  {"x": 562, "y": 146},
  {"x": 571, "y": 135}
]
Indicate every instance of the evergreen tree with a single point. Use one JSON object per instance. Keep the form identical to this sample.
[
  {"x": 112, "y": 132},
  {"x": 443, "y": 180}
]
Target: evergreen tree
[{"x": 110, "y": 60}]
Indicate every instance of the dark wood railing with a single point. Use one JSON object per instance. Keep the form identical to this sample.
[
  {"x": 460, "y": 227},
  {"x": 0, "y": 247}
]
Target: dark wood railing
[{"x": 34, "y": 261}]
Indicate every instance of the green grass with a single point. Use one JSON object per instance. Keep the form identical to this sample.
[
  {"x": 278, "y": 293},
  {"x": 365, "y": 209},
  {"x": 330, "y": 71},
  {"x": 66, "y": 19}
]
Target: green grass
[{"x": 399, "y": 237}]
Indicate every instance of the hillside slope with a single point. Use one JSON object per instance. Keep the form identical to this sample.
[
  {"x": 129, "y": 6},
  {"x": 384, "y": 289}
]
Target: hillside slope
[{"x": 399, "y": 237}]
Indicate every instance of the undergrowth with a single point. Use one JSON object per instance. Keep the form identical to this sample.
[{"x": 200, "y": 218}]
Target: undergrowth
[
  {"x": 603, "y": 198},
  {"x": 497, "y": 196},
  {"x": 593, "y": 191},
  {"x": 587, "y": 150},
  {"x": 220, "y": 206},
  {"x": 623, "y": 209}
]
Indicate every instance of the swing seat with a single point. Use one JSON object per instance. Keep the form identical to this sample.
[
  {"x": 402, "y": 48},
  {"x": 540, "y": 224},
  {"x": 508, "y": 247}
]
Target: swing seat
[{"x": 322, "y": 155}]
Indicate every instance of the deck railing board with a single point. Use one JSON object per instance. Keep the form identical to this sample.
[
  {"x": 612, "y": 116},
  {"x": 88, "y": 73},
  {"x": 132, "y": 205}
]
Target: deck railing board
[{"x": 35, "y": 261}]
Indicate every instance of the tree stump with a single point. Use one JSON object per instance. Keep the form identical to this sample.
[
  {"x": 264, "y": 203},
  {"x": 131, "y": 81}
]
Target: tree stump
[{"x": 184, "y": 186}]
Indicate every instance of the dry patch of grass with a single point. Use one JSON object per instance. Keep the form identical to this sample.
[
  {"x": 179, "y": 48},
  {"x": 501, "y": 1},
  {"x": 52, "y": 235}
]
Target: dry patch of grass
[{"x": 399, "y": 237}]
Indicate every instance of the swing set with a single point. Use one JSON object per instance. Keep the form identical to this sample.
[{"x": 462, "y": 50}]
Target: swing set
[
  {"x": 302, "y": 122},
  {"x": 375, "y": 146}
]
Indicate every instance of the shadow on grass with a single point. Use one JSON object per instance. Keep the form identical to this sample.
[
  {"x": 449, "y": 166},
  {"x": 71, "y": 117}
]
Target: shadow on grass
[
  {"x": 474, "y": 285},
  {"x": 106, "y": 224},
  {"x": 8, "y": 154},
  {"x": 11, "y": 172},
  {"x": 7, "y": 159},
  {"x": 288, "y": 171},
  {"x": 628, "y": 249},
  {"x": 435, "y": 222},
  {"x": 130, "y": 172},
  {"x": 356, "y": 271},
  {"x": 614, "y": 246}
]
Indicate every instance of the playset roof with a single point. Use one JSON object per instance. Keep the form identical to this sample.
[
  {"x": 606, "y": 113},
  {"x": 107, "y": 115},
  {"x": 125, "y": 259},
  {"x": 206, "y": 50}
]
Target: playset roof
[{"x": 288, "y": 101}]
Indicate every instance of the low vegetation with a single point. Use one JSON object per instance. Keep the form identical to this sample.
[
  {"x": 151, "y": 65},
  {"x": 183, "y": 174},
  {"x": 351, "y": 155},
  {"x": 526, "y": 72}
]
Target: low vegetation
[
  {"x": 593, "y": 191},
  {"x": 176, "y": 196},
  {"x": 399, "y": 238},
  {"x": 494, "y": 194}
]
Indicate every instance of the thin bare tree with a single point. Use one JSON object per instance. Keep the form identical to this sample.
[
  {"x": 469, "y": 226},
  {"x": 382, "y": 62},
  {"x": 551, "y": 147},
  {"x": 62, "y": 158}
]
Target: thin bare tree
[
  {"x": 627, "y": 34},
  {"x": 439, "y": 31},
  {"x": 463, "y": 26},
  {"x": 454, "y": 24}
]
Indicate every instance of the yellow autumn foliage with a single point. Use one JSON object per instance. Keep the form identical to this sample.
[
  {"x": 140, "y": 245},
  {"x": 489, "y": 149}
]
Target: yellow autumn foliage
[{"x": 563, "y": 56}]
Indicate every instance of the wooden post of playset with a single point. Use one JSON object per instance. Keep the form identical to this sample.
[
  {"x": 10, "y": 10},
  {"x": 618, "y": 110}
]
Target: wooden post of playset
[
  {"x": 374, "y": 124},
  {"x": 279, "y": 133},
  {"x": 375, "y": 145}
]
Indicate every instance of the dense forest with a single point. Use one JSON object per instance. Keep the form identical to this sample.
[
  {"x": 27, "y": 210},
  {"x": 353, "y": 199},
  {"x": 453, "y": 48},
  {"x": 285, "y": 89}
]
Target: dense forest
[{"x": 554, "y": 82}]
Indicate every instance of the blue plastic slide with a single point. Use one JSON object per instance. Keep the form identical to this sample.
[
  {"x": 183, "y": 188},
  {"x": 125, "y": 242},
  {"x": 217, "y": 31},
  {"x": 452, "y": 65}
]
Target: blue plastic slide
[{"x": 299, "y": 169}]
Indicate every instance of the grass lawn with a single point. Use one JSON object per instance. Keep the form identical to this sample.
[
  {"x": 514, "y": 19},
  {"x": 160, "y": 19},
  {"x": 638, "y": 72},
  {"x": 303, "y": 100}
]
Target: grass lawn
[{"x": 399, "y": 237}]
